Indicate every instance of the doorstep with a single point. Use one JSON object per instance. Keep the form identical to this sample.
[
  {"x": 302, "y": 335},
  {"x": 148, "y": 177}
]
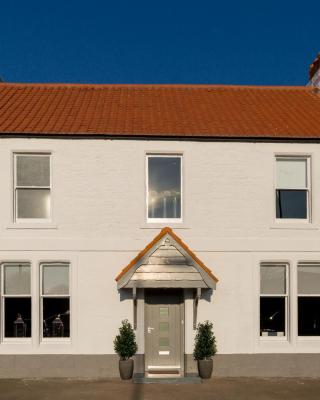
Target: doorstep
[{"x": 141, "y": 378}]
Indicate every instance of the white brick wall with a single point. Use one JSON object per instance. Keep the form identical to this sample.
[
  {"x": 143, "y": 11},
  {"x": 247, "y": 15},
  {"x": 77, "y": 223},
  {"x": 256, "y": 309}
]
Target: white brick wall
[{"x": 99, "y": 225}]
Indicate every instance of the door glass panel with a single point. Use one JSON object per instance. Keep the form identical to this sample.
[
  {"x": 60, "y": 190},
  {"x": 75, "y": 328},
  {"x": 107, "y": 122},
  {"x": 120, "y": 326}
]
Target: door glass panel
[
  {"x": 164, "y": 311},
  {"x": 164, "y": 326},
  {"x": 163, "y": 342}
]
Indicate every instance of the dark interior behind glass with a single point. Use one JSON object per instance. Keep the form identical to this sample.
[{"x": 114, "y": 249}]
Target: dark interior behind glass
[
  {"x": 291, "y": 204},
  {"x": 17, "y": 310},
  {"x": 272, "y": 315},
  {"x": 309, "y": 316}
]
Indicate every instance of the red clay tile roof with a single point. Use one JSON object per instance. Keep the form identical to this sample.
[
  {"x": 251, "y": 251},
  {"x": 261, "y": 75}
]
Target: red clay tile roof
[
  {"x": 160, "y": 235},
  {"x": 160, "y": 110}
]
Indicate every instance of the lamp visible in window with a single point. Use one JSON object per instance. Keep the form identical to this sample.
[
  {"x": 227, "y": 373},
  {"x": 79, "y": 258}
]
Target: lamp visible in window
[
  {"x": 57, "y": 327},
  {"x": 20, "y": 328}
]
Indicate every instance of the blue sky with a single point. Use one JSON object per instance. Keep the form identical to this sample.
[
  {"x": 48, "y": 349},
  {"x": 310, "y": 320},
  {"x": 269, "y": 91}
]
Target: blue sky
[{"x": 218, "y": 42}]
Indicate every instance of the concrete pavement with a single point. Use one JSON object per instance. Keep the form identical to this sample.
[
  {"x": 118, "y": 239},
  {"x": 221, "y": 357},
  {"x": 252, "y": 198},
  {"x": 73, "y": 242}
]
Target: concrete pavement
[{"x": 114, "y": 389}]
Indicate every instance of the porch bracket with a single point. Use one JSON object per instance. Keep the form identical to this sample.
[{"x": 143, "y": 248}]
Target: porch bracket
[
  {"x": 195, "y": 306},
  {"x": 134, "y": 298}
]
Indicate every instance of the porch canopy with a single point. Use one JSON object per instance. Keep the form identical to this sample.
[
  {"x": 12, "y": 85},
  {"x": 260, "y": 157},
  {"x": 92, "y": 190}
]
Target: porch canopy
[{"x": 166, "y": 262}]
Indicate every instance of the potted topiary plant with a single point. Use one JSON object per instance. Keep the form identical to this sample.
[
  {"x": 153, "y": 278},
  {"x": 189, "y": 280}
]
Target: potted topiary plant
[
  {"x": 126, "y": 347},
  {"x": 204, "y": 349}
]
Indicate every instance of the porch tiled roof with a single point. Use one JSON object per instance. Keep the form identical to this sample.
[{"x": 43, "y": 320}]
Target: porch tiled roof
[
  {"x": 204, "y": 111},
  {"x": 162, "y": 233}
]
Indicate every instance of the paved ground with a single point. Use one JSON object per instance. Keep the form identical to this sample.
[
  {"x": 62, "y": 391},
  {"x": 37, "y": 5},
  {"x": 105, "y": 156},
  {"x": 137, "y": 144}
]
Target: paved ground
[{"x": 217, "y": 388}]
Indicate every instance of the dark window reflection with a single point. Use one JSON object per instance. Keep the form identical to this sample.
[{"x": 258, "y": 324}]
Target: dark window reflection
[
  {"x": 56, "y": 317},
  {"x": 164, "y": 174},
  {"x": 17, "y": 317},
  {"x": 291, "y": 203},
  {"x": 272, "y": 316},
  {"x": 309, "y": 316}
]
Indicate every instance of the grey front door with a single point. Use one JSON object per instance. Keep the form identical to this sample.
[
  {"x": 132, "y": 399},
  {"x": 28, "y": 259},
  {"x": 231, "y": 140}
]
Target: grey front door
[{"x": 164, "y": 330}]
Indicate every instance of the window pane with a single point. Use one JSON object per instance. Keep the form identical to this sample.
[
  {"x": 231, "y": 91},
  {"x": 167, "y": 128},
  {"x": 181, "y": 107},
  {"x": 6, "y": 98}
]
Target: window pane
[
  {"x": 309, "y": 316},
  {"x": 56, "y": 317},
  {"x": 272, "y": 316},
  {"x": 273, "y": 279},
  {"x": 33, "y": 203},
  {"x": 292, "y": 174},
  {"x": 55, "y": 279},
  {"x": 33, "y": 170},
  {"x": 17, "y": 279},
  {"x": 309, "y": 279},
  {"x": 17, "y": 321},
  {"x": 291, "y": 204},
  {"x": 164, "y": 174}
]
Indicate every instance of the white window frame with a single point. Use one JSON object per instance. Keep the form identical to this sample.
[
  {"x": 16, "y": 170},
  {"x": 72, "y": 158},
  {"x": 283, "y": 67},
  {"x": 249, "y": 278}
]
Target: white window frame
[
  {"x": 285, "y": 295},
  {"x": 16, "y": 187},
  {"x": 64, "y": 296},
  {"x": 164, "y": 220},
  {"x": 293, "y": 157},
  {"x": 301, "y": 264},
  {"x": 3, "y": 296}
]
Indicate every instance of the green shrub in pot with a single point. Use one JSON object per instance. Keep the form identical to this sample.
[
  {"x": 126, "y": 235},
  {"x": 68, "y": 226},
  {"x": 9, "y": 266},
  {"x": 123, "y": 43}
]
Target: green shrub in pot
[
  {"x": 125, "y": 346},
  {"x": 205, "y": 348}
]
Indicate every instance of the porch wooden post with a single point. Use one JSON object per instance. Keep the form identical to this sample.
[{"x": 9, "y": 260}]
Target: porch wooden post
[
  {"x": 195, "y": 307},
  {"x": 134, "y": 297}
]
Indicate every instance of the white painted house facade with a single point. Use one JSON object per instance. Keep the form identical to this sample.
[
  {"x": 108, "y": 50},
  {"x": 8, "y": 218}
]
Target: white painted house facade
[{"x": 220, "y": 223}]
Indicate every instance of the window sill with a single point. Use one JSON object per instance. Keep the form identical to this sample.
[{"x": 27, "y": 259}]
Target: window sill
[
  {"x": 308, "y": 339},
  {"x": 302, "y": 225},
  {"x": 269, "y": 339},
  {"x": 160, "y": 225},
  {"x": 11, "y": 341},
  {"x": 55, "y": 341},
  {"x": 32, "y": 225}
]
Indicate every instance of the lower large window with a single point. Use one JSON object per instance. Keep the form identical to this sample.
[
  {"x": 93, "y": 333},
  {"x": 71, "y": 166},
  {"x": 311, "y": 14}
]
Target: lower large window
[
  {"x": 55, "y": 300},
  {"x": 16, "y": 300},
  {"x": 308, "y": 299},
  {"x": 273, "y": 299}
]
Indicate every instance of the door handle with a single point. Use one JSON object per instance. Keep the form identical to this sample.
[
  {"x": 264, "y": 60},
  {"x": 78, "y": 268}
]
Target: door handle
[{"x": 150, "y": 329}]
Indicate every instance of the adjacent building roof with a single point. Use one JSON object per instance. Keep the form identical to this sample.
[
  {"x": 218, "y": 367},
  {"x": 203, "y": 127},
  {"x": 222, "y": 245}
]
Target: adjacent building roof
[
  {"x": 166, "y": 262},
  {"x": 186, "y": 111}
]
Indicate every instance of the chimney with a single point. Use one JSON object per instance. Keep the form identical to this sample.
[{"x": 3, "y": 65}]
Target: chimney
[{"x": 314, "y": 72}]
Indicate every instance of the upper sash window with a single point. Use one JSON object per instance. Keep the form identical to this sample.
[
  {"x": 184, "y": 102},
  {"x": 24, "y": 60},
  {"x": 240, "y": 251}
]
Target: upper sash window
[
  {"x": 293, "y": 188},
  {"x": 32, "y": 187},
  {"x": 164, "y": 188}
]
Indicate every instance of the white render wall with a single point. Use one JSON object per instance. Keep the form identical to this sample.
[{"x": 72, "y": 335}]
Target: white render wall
[{"x": 99, "y": 226}]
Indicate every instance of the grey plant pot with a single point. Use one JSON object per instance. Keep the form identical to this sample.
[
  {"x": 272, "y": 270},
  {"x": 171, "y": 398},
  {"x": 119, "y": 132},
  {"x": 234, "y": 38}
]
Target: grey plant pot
[
  {"x": 126, "y": 369},
  {"x": 205, "y": 368}
]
